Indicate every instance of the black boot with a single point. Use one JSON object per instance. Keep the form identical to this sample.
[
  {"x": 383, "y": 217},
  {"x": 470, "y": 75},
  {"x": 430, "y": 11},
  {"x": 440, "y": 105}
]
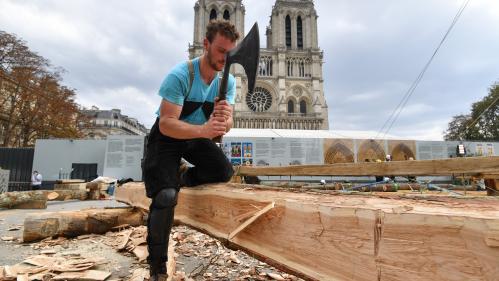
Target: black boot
[{"x": 157, "y": 272}]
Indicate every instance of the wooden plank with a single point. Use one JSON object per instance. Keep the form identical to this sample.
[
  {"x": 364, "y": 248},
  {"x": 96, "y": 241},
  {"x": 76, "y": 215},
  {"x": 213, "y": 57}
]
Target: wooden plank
[
  {"x": 458, "y": 166},
  {"x": 347, "y": 237}
]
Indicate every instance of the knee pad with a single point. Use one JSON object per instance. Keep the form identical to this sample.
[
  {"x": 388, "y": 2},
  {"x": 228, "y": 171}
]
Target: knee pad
[{"x": 165, "y": 198}]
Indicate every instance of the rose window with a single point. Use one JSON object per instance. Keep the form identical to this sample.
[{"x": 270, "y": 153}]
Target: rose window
[{"x": 259, "y": 100}]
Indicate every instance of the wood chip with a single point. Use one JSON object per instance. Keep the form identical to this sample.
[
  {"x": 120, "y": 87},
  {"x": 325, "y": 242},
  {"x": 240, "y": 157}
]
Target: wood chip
[
  {"x": 275, "y": 276},
  {"x": 22, "y": 277},
  {"x": 40, "y": 260},
  {"x": 233, "y": 258},
  {"x": 48, "y": 252},
  {"x": 7, "y": 238},
  {"x": 14, "y": 228},
  {"x": 124, "y": 241},
  {"x": 139, "y": 274},
  {"x": 141, "y": 253},
  {"x": 89, "y": 275}
]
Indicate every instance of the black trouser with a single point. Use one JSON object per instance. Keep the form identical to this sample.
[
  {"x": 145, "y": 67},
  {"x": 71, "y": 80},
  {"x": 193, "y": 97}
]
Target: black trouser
[{"x": 160, "y": 170}]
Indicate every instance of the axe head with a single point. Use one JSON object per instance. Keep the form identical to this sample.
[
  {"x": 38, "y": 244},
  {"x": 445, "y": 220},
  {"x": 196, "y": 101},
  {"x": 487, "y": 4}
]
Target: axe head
[{"x": 247, "y": 54}]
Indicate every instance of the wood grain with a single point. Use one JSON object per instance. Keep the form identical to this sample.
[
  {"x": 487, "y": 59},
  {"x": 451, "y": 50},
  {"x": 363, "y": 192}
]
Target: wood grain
[{"x": 347, "y": 237}]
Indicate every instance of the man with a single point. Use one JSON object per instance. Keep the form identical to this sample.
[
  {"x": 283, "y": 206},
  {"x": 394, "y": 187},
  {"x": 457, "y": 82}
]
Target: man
[
  {"x": 188, "y": 118},
  {"x": 36, "y": 180}
]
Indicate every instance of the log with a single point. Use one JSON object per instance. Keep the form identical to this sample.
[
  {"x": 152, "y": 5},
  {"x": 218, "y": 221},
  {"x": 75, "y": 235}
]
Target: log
[
  {"x": 14, "y": 199},
  {"x": 63, "y": 195},
  {"x": 75, "y": 223},
  {"x": 37, "y": 199},
  {"x": 440, "y": 167},
  {"x": 70, "y": 186},
  {"x": 346, "y": 237},
  {"x": 70, "y": 181}
]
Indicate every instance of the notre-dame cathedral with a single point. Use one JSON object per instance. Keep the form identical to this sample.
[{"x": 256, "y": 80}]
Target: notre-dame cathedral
[{"x": 289, "y": 91}]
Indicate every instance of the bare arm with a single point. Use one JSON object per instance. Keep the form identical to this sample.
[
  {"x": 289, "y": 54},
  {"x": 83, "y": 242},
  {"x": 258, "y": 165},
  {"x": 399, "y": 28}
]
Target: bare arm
[{"x": 170, "y": 125}]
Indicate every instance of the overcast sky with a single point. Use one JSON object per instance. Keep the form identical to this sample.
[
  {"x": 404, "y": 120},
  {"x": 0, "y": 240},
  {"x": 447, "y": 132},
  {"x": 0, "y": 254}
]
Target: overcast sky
[{"x": 116, "y": 53}]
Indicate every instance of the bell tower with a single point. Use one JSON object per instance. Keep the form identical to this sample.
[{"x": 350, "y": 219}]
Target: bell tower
[{"x": 289, "y": 90}]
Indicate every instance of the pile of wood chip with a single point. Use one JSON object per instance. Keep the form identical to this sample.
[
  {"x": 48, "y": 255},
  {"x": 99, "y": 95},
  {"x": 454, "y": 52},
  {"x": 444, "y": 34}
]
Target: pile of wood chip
[
  {"x": 51, "y": 267},
  {"x": 193, "y": 256},
  {"x": 196, "y": 257}
]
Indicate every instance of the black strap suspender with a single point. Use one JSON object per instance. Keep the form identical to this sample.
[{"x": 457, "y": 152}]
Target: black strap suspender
[{"x": 189, "y": 107}]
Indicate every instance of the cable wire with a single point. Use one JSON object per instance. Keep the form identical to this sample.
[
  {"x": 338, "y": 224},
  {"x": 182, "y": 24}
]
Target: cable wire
[
  {"x": 478, "y": 118},
  {"x": 400, "y": 107}
]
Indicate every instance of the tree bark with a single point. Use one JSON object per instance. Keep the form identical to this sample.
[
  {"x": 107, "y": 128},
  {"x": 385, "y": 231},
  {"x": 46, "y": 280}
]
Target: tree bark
[{"x": 11, "y": 200}]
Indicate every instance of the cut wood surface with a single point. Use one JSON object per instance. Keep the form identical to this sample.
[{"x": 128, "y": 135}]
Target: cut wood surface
[
  {"x": 346, "y": 237},
  {"x": 459, "y": 166},
  {"x": 75, "y": 223}
]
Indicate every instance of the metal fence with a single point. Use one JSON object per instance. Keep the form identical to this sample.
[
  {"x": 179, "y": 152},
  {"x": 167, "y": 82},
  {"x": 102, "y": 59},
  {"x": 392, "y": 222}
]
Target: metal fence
[
  {"x": 19, "y": 161},
  {"x": 4, "y": 181}
]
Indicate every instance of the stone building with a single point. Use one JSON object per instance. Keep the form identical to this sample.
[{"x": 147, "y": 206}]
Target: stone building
[
  {"x": 289, "y": 90},
  {"x": 102, "y": 123}
]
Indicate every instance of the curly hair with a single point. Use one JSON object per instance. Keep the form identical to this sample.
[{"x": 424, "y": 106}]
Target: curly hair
[{"x": 224, "y": 28}]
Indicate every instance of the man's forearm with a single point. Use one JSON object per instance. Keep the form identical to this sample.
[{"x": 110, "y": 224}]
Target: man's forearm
[{"x": 178, "y": 129}]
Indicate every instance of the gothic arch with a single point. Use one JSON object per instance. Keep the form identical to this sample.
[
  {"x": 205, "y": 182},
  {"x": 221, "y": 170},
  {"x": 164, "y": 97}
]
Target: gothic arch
[
  {"x": 213, "y": 14},
  {"x": 372, "y": 150},
  {"x": 287, "y": 30},
  {"x": 304, "y": 106},
  {"x": 228, "y": 8},
  {"x": 402, "y": 152},
  {"x": 339, "y": 153}
]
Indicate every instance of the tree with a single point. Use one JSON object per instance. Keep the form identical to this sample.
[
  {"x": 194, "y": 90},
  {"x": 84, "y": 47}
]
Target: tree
[
  {"x": 33, "y": 102},
  {"x": 481, "y": 124}
]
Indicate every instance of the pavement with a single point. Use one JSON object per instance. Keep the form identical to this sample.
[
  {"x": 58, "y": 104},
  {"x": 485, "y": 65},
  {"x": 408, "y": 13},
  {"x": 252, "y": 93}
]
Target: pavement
[{"x": 13, "y": 252}]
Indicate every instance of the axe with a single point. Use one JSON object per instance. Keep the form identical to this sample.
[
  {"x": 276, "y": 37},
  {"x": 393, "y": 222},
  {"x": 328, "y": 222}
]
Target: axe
[{"x": 247, "y": 54}]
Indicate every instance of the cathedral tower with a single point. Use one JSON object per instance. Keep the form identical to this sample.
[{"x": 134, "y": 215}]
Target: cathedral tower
[{"x": 289, "y": 91}]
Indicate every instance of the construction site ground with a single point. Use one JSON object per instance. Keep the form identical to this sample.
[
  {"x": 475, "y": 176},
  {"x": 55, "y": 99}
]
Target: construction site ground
[{"x": 197, "y": 256}]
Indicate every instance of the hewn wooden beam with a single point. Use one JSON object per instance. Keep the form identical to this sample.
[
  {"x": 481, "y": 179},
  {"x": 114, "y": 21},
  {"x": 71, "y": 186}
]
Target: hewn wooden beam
[
  {"x": 346, "y": 237},
  {"x": 442, "y": 167}
]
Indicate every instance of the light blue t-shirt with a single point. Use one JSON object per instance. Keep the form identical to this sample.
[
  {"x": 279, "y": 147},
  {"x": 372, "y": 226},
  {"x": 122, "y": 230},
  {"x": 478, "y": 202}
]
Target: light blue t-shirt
[{"x": 176, "y": 84}]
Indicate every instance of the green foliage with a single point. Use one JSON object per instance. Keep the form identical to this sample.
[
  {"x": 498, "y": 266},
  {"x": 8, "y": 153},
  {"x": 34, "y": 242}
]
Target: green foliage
[
  {"x": 33, "y": 103},
  {"x": 482, "y": 124}
]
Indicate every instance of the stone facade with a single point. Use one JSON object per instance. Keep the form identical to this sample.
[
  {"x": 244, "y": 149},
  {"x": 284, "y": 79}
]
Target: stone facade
[
  {"x": 102, "y": 123},
  {"x": 289, "y": 91}
]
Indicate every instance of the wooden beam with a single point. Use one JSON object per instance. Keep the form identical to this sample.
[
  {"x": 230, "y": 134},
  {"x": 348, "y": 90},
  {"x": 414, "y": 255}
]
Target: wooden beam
[
  {"x": 346, "y": 237},
  {"x": 442, "y": 167}
]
